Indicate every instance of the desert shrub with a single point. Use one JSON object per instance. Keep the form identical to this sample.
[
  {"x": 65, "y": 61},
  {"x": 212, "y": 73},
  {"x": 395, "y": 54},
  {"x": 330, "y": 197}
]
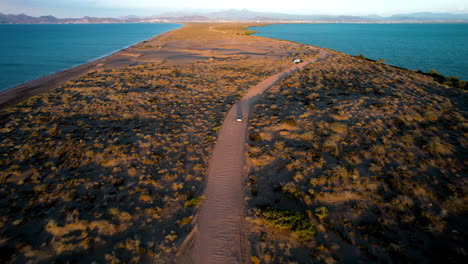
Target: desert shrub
[
  {"x": 321, "y": 212},
  {"x": 450, "y": 81},
  {"x": 338, "y": 128},
  {"x": 430, "y": 116},
  {"x": 380, "y": 61},
  {"x": 255, "y": 260},
  {"x": 40, "y": 188},
  {"x": 195, "y": 201},
  {"x": 185, "y": 221},
  {"x": 292, "y": 190},
  {"x": 176, "y": 72},
  {"x": 312, "y": 106},
  {"x": 289, "y": 220},
  {"x": 402, "y": 202},
  {"x": 114, "y": 211},
  {"x": 146, "y": 198},
  {"x": 438, "y": 147},
  {"x": 455, "y": 204},
  {"x": 290, "y": 122},
  {"x": 455, "y": 82},
  {"x": 435, "y": 74},
  {"x": 255, "y": 137}
]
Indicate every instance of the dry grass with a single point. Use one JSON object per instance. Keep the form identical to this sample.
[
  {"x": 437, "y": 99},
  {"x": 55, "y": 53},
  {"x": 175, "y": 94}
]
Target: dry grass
[{"x": 377, "y": 161}]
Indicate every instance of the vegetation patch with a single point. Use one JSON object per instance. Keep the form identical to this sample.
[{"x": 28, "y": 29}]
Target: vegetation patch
[
  {"x": 378, "y": 165},
  {"x": 450, "y": 81},
  {"x": 289, "y": 220},
  {"x": 194, "y": 202}
]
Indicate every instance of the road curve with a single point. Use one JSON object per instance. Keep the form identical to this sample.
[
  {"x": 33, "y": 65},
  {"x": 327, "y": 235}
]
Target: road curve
[{"x": 218, "y": 239}]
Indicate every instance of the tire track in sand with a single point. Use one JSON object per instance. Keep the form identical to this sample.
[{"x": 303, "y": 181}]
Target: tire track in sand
[{"x": 218, "y": 239}]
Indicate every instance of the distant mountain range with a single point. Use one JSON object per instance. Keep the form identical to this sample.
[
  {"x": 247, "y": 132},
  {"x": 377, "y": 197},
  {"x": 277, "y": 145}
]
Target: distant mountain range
[
  {"x": 25, "y": 19},
  {"x": 242, "y": 15}
]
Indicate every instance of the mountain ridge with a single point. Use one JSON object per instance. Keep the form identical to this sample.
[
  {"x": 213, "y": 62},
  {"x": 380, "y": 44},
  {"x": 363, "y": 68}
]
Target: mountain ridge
[
  {"x": 242, "y": 15},
  {"x": 26, "y": 19}
]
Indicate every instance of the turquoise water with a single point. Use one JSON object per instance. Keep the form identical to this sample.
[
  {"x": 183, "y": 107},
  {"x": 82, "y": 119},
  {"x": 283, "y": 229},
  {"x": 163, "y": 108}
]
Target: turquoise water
[
  {"x": 440, "y": 47},
  {"x": 28, "y": 52}
]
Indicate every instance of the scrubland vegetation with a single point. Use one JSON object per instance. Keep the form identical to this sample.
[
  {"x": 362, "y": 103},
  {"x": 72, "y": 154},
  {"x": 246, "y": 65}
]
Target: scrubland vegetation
[
  {"x": 110, "y": 166},
  {"x": 206, "y": 31},
  {"x": 350, "y": 160},
  {"x": 369, "y": 159},
  {"x": 451, "y": 81}
]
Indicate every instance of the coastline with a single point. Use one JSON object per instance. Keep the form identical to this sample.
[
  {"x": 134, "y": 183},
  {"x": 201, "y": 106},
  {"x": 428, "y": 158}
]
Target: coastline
[
  {"x": 16, "y": 94},
  {"x": 112, "y": 167},
  {"x": 117, "y": 59},
  {"x": 393, "y": 43}
]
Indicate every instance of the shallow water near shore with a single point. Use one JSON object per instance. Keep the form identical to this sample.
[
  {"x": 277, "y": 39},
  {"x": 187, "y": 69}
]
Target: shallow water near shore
[
  {"x": 31, "y": 51},
  {"x": 440, "y": 47}
]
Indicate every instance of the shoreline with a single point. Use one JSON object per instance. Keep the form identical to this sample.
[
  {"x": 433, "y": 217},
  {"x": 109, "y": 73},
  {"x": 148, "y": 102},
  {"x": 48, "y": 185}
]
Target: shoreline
[
  {"x": 400, "y": 59},
  {"x": 19, "y": 93},
  {"x": 16, "y": 94}
]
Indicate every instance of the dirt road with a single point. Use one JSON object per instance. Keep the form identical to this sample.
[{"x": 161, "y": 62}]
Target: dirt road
[{"x": 218, "y": 239}]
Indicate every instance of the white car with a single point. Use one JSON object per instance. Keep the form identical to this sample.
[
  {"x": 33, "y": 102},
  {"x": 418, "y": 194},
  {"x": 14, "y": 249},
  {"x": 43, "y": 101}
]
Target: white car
[
  {"x": 297, "y": 61},
  {"x": 239, "y": 118}
]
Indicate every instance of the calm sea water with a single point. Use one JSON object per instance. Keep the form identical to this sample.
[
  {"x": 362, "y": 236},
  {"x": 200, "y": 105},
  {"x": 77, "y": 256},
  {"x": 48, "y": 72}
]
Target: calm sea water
[
  {"x": 441, "y": 47},
  {"x": 28, "y": 52}
]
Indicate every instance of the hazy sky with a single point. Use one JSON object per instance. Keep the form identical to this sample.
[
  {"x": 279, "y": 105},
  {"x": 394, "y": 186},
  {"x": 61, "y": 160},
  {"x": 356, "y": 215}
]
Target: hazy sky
[{"x": 101, "y": 8}]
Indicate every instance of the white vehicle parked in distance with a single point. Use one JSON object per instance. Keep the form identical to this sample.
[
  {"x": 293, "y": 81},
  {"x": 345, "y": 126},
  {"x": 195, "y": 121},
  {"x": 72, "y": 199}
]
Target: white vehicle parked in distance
[{"x": 297, "y": 61}]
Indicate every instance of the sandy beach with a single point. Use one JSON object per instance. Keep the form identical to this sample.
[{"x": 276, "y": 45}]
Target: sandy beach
[{"x": 137, "y": 157}]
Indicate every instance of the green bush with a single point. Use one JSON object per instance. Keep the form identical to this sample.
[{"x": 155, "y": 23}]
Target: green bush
[
  {"x": 194, "y": 202},
  {"x": 321, "y": 212},
  {"x": 451, "y": 81},
  {"x": 289, "y": 220},
  {"x": 435, "y": 74},
  {"x": 381, "y": 61}
]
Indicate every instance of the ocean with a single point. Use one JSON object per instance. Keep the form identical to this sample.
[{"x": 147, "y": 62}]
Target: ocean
[
  {"x": 440, "y": 47},
  {"x": 31, "y": 51}
]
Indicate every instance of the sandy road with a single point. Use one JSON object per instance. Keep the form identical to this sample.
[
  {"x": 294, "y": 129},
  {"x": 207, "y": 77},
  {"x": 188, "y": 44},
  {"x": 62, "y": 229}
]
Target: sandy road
[{"x": 218, "y": 239}]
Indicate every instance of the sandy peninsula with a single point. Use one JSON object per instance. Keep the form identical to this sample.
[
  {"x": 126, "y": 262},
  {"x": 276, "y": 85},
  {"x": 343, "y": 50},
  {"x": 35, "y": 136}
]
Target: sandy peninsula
[{"x": 346, "y": 160}]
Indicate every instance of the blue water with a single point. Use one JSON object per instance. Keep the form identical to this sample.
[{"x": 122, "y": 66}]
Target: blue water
[
  {"x": 28, "y": 52},
  {"x": 440, "y": 47}
]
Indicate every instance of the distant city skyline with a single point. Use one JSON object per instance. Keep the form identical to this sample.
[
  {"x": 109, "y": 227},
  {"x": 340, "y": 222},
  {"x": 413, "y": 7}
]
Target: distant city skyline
[{"x": 117, "y": 8}]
